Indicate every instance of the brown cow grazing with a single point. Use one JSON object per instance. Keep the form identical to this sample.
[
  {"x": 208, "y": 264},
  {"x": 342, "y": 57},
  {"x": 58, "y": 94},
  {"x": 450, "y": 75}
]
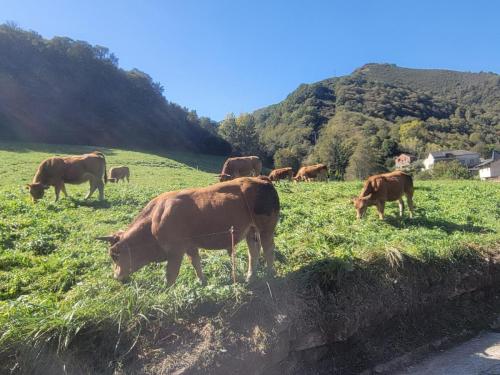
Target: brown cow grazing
[
  {"x": 240, "y": 167},
  {"x": 57, "y": 171},
  {"x": 383, "y": 188},
  {"x": 317, "y": 172},
  {"x": 180, "y": 222},
  {"x": 119, "y": 173},
  {"x": 281, "y": 174}
]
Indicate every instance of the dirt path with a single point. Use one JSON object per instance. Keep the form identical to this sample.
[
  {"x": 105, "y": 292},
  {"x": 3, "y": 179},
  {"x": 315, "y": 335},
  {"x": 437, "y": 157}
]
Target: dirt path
[{"x": 478, "y": 356}]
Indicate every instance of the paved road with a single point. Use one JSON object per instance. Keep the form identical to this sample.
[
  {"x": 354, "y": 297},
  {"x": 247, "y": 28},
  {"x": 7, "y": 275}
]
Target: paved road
[{"x": 479, "y": 356}]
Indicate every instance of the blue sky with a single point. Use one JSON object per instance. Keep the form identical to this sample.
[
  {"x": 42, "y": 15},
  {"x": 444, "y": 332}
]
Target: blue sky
[{"x": 236, "y": 56}]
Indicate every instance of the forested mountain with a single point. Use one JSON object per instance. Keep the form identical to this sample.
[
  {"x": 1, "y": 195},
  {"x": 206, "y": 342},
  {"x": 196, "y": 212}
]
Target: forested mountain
[
  {"x": 364, "y": 119},
  {"x": 66, "y": 91}
]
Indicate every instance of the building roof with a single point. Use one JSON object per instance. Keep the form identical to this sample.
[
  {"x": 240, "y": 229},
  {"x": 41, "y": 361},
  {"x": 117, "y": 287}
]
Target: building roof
[
  {"x": 452, "y": 154},
  {"x": 495, "y": 155},
  {"x": 487, "y": 163}
]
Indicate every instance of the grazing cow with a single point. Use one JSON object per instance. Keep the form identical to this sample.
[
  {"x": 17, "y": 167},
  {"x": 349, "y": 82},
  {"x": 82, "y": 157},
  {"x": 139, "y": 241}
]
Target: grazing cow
[
  {"x": 240, "y": 167},
  {"x": 385, "y": 187},
  {"x": 317, "y": 172},
  {"x": 180, "y": 222},
  {"x": 281, "y": 174},
  {"x": 57, "y": 171},
  {"x": 119, "y": 173}
]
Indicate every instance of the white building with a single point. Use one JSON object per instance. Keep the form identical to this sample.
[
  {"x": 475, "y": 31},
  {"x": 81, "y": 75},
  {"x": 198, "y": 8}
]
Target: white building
[
  {"x": 467, "y": 158},
  {"x": 490, "y": 170}
]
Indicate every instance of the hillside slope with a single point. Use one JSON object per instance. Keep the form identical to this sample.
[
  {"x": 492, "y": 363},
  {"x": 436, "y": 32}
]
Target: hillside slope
[
  {"x": 61, "y": 312},
  {"x": 385, "y": 108},
  {"x": 66, "y": 91}
]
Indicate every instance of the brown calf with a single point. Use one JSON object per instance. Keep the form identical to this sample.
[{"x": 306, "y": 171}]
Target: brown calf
[
  {"x": 317, "y": 172},
  {"x": 119, "y": 173},
  {"x": 383, "y": 188},
  {"x": 281, "y": 174}
]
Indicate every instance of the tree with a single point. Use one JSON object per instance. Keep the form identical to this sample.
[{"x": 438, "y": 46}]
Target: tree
[
  {"x": 335, "y": 154},
  {"x": 286, "y": 157},
  {"x": 364, "y": 162},
  {"x": 240, "y": 133}
]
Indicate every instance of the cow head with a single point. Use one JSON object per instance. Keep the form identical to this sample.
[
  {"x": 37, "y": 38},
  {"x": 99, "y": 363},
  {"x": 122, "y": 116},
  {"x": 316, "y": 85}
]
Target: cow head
[
  {"x": 121, "y": 255},
  {"x": 361, "y": 204},
  {"x": 37, "y": 190},
  {"x": 126, "y": 259},
  {"x": 225, "y": 177}
]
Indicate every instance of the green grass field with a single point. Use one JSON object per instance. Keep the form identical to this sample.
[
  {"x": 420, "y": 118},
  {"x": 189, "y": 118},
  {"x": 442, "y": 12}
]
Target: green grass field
[{"x": 55, "y": 279}]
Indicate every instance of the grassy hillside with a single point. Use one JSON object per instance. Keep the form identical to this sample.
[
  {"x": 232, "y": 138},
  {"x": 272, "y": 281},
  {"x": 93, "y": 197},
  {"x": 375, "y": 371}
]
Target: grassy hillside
[
  {"x": 61, "y": 90},
  {"x": 55, "y": 279}
]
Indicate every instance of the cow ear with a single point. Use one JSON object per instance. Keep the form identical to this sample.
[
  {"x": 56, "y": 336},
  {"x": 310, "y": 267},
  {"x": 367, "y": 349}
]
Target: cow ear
[
  {"x": 367, "y": 197},
  {"x": 27, "y": 186}
]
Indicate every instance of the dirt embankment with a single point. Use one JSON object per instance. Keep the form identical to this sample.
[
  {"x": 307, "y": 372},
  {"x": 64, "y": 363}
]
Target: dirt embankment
[
  {"x": 325, "y": 321},
  {"x": 321, "y": 320}
]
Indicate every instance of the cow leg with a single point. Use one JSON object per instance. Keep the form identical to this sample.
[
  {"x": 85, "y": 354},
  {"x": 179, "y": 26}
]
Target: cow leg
[
  {"x": 63, "y": 189},
  {"x": 380, "y": 209},
  {"x": 93, "y": 187},
  {"x": 57, "y": 189},
  {"x": 194, "y": 257},
  {"x": 173, "y": 266},
  {"x": 253, "y": 254},
  {"x": 401, "y": 207},
  {"x": 267, "y": 240},
  {"x": 100, "y": 186},
  {"x": 411, "y": 207}
]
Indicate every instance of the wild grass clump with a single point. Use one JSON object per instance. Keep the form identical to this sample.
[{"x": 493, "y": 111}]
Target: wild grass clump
[{"x": 55, "y": 278}]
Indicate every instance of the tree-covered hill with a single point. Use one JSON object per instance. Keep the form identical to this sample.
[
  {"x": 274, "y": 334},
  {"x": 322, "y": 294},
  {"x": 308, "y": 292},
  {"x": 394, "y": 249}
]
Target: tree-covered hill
[
  {"x": 371, "y": 115},
  {"x": 66, "y": 91}
]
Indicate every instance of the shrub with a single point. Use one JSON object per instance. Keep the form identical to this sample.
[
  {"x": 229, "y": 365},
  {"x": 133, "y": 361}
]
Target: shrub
[
  {"x": 450, "y": 170},
  {"x": 453, "y": 170}
]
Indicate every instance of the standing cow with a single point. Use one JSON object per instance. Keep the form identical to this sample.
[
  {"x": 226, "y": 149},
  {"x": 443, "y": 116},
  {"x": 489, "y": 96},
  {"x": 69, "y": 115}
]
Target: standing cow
[
  {"x": 119, "y": 173},
  {"x": 383, "y": 188},
  {"x": 180, "y": 222},
  {"x": 317, "y": 172},
  {"x": 281, "y": 174},
  {"x": 244, "y": 166},
  {"x": 57, "y": 171}
]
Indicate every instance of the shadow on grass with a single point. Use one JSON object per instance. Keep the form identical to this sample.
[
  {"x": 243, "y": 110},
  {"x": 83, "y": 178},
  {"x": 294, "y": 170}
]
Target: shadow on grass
[
  {"x": 96, "y": 204},
  {"x": 205, "y": 163},
  {"x": 442, "y": 224},
  {"x": 52, "y": 148},
  {"x": 202, "y": 162}
]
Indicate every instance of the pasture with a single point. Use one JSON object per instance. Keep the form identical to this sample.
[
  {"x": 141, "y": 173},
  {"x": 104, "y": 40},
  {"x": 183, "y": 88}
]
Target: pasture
[{"x": 55, "y": 278}]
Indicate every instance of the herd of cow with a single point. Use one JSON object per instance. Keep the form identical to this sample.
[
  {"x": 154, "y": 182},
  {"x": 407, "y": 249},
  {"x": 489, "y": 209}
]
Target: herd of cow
[{"x": 243, "y": 205}]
